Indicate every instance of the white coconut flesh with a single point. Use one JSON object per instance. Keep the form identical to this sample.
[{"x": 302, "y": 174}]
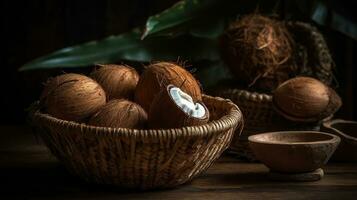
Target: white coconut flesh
[{"x": 185, "y": 102}]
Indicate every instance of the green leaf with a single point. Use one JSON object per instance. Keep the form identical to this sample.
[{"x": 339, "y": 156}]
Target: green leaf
[
  {"x": 324, "y": 13},
  {"x": 128, "y": 46},
  {"x": 178, "y": 14},
  {"x": 200, "y": 18}
]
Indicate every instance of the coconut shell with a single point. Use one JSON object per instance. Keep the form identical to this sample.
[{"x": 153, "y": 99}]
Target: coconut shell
[
  {"x": 72, "y": 97},
  {"x": 120, "y": 113},
  {"x": 158, "y": 76},
  {"x": 118, "y": 81},
  {"x": 165, "y": 114},
  {"x": 305, "y": 99}
]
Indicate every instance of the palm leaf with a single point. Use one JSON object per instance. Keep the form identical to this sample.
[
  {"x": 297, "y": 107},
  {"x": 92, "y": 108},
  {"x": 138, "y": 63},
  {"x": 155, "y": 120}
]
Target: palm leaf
[{"x": 128, "y": 46}]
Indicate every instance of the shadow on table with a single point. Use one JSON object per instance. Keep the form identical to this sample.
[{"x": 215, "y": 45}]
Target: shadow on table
[{"x": 52, "y": 180}]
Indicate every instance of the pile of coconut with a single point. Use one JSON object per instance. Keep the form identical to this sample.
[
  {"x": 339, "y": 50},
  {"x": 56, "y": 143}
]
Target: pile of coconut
[{"x": 164, "y": 96}]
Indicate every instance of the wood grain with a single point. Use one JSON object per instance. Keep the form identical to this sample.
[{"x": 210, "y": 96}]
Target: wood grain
[{"x": 29, "y": 171}]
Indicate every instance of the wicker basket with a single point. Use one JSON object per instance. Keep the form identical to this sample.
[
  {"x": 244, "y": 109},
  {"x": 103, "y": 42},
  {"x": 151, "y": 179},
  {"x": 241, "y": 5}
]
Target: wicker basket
[
  {"x": 259, "y": 117},
  {"x": 313, "y": 54},
  {"x": 143, "y": 159}
]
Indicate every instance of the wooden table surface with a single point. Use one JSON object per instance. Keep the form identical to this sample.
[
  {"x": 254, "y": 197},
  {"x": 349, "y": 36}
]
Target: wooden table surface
[{"x": 28, "y": 171}]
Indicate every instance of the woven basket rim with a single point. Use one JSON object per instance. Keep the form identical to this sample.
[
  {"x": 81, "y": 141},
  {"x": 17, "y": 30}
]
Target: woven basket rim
[
  {"x": 233, "y": 117},
  {"x": 250, "y": 95}
]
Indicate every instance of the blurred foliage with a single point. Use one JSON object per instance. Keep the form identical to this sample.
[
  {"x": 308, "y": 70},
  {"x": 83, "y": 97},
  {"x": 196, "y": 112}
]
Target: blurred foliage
[
  {"x": 128, "y": 46},
  {"x": 189, "y": 30},
  {"x": 336, "y": 19}
]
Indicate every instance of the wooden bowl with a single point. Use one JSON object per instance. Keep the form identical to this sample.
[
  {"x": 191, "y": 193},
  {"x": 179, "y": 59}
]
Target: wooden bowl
[
  {"x": 347, "y": 131},
  {"x": 294, "y": 151}
]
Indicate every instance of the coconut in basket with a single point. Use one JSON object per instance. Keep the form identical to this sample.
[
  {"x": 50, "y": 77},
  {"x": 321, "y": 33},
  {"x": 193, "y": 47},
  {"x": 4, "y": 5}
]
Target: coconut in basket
[{"x": 134, "y": 137}]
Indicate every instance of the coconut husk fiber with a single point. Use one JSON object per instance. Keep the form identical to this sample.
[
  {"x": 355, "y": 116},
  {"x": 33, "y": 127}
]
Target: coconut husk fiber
[{"x": 258, "y": 51}]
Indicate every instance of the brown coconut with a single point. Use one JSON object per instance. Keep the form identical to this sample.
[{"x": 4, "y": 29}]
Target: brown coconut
[
  {"x": 72, "y": 97},
  {"x": 305, "y": 99},
  {"x": 165, "y": 113},
  {"x": 158, "y": 76},
  {"x": 257, "y": 50},
  {"x": 120, "y": 113},
  {"x": 118, "y": 81}
]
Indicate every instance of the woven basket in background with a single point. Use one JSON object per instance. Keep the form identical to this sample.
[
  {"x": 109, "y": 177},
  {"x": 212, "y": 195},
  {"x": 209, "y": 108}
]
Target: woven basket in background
[
  {"x": 142, "y": 159},
  {"x": 313, "y": 55}
]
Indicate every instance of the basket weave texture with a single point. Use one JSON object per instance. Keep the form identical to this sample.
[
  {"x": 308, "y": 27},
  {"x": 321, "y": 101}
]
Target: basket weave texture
[
  {"x": 143, "y": 159},
  {"x": 313, "y": 56}
]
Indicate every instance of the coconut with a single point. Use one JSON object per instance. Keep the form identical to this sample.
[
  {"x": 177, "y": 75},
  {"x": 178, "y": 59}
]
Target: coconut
[
  {"x": 158, "y": 76},
  {"x": 120, "y": 113},
  {"x": 72, "y": 97},
  {"x": 257, "y": 50},
  {"x": 173, "y": 108},
  {"x": 118, "y": 81},
  {"x": 305, "y": 99}
]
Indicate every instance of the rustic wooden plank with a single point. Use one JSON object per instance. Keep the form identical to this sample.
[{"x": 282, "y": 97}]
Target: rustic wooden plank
[{"x": 28, "y": 170}]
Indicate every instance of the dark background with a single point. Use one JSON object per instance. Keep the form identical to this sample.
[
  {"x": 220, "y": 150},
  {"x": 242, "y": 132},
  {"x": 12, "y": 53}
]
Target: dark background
[{"x": 34, "y": 28}]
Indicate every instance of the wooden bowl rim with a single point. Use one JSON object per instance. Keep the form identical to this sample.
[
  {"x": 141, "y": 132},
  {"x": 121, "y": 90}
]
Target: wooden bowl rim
[{"x": 333, "y": 138}]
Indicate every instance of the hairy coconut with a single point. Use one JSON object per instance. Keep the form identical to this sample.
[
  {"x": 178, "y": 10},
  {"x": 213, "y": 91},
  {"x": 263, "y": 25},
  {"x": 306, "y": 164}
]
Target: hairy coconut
[
  {"x": 257, "y": 50},
  {"x": 305, "y": 99},
  {"x": 120, "y": 113},
  {"x": 118, "y": 81},
  {"x": 158, "y": 76},
  {"x": 72, "y": 97},
  {"x": 173, "y": 108}
]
